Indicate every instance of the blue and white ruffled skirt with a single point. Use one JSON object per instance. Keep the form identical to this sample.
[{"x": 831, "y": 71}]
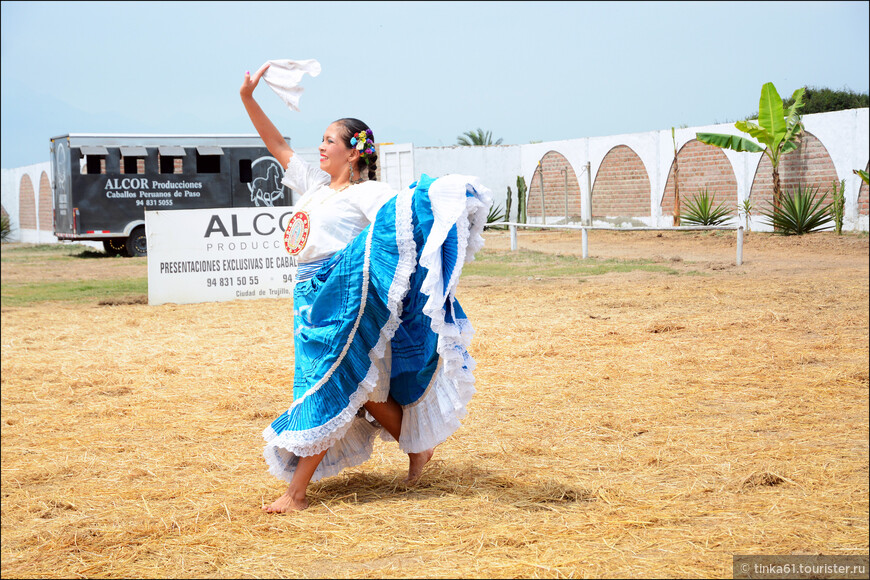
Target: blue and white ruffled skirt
[{"x": 380, "y": 319}]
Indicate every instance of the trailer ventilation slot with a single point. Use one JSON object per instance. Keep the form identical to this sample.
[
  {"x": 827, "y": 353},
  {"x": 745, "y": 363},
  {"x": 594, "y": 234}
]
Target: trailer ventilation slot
[
  {"x": 171, "y": 151},
  {"x": 95, "y": 159},
  {"x": 134, "y": 152},
  {"x": 93, "y": 150},
  {"x": 208, "y": 159},
  {"x": 170, "y": 158},
  {"x": 209, "y": 150},
  {"x": 246, "y": 171}
]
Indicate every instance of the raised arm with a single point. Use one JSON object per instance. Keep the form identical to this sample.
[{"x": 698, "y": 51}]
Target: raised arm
[{"x": 270, "y": 135}]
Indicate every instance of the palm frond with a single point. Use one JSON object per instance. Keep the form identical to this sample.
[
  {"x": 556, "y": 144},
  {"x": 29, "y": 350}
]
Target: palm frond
[{"x": 478, "y": 137}]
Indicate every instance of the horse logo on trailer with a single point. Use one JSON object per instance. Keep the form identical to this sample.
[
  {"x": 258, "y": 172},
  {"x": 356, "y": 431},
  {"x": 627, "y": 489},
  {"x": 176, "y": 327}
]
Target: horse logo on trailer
[
  {"x": 61, "y": 170},
  {"x": 266, "y": 188}
]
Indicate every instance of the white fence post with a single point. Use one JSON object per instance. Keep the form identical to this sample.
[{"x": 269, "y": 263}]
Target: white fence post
[{"x": 587, "y": 197}]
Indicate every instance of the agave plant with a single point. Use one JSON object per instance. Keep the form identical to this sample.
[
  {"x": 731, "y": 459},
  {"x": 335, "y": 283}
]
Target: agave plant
[
  {"x": 496, "y": 214},
  {"x": 800, "y": 212},
  {"x": 5, "y": 227},
  {"x": 700, "y": 210}
]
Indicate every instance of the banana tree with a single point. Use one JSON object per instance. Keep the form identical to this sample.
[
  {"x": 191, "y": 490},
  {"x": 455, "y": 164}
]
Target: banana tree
[
  {"x": 676, "y": 182},
  {"x": 778, "y": 132}
]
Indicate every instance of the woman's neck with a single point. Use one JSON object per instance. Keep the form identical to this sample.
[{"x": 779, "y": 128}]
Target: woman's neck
[{"x": 343, "y": 183}]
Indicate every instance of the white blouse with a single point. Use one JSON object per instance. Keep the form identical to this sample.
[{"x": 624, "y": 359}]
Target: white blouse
[{"x": 335, "y": 217}]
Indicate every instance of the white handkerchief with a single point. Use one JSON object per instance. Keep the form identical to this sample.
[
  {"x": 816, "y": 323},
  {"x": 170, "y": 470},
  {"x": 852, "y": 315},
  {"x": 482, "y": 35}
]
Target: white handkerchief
[{"x": 284, "y": 76}]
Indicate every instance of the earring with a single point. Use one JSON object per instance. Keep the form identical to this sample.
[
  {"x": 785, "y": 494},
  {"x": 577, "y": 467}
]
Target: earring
[{"x": 351, "y": 171}]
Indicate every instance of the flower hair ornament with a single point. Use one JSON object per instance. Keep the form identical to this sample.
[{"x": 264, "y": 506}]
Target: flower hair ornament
[{"x": 363, "y": 143}]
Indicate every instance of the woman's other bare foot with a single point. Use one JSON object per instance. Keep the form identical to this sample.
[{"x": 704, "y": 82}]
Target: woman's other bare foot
[
  {"x": 290, "y": 501},
  {"x": 416, "y": 461}
]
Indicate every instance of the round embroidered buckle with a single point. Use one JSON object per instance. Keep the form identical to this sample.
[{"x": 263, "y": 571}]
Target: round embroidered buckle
[{"x": 296, "y": 233}]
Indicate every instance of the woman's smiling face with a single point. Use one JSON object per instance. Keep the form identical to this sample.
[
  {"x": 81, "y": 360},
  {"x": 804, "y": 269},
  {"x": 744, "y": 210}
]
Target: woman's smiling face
[{"x": 334, "y": 153}]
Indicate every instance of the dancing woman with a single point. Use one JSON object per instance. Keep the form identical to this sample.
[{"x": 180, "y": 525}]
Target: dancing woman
[{"x": 380, "y": 342}]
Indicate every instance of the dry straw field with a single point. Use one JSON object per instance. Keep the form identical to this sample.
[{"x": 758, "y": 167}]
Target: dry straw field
[{"x": 647, "y": 413}]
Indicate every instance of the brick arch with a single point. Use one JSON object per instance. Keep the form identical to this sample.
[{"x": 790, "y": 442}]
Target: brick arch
[
  {"x": 46, "y": 215},
  {"x": 26, "y": 204},
  {"x": 863, "y": 195},
  {"x": 550, "y": 167},
  {"x": 809, "y": 165},
  {"x": 621, "y": 187},
  {"x": 701, "y": 166}
]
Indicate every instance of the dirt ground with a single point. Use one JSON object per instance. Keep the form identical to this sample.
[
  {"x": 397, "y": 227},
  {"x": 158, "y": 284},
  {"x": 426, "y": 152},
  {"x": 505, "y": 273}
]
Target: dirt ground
[
  {"x": 629, "y": 424},
  {"x": 762, "y": 252}
]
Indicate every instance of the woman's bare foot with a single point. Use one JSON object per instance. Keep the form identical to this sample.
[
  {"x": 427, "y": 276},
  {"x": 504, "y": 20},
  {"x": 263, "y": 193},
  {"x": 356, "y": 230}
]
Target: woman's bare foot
[
  {"x": 416, "y": 461},
  {"x": 287, "y": 502}
]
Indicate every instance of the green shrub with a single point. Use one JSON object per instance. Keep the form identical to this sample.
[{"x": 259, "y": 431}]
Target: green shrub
[
  {"x": 800, "y": 212},
  {"x": 823, "y": 100},
  {"x": 700, "y": 210}
]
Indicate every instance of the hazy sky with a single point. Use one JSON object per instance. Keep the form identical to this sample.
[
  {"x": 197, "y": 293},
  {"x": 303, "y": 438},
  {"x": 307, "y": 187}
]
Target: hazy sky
[{"x": 421, "y": 72}]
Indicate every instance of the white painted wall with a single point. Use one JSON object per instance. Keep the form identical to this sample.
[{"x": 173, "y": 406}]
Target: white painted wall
[
  {"x": 845, "y": 135},
  {"x": 10, "y": 195},
  {"x": 496, "y": 166}
]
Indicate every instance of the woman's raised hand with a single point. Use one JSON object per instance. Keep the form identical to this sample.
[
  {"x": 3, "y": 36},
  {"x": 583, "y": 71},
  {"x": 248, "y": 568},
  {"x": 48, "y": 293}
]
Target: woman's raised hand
[
  {"x": 250, "y": 83},
  {"x": 275, "y": 142}
]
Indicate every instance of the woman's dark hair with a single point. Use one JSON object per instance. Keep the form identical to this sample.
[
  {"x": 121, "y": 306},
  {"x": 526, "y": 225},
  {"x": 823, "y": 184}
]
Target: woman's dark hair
[{"x": 352, "y": 126}]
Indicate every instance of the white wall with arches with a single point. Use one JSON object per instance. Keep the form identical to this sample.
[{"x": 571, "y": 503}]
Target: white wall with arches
[
  {"x": 845, "y": 136},
  {"x": 39, "y": 227}
]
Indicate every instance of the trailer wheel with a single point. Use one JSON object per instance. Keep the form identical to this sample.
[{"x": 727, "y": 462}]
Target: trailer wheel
[
  {"x": 114, "y": 247},
  {"x": 137, "y": 243}
]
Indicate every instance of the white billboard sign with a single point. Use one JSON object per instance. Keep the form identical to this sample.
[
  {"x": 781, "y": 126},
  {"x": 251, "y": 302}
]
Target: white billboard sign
[{"x": 213, "y": 255}]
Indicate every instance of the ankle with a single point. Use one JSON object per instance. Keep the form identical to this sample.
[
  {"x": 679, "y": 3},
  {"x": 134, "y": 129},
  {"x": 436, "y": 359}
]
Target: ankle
[{"x": 297, "y": 495}]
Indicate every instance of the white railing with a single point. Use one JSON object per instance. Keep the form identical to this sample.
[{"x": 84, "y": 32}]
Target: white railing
[{"x": 512, "y": 226}]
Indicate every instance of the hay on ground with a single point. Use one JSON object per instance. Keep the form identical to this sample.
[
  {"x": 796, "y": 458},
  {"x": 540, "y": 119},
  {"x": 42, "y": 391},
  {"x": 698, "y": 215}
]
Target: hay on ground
[{"x": 638, "y": 424}]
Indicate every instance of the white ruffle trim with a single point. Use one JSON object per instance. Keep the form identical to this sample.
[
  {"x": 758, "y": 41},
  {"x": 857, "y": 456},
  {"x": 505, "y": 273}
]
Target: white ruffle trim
[
  {"x": 347, "y": 436},
  {"x": 436, "y": 415},
  {"x": 353, "y": 447}
]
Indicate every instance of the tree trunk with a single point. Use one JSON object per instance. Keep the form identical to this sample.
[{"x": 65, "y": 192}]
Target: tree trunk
[
  {"x": 676, "y": 181},
  {"x": 777, "y": 194},
  {"x": 676, "y": 192}
]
